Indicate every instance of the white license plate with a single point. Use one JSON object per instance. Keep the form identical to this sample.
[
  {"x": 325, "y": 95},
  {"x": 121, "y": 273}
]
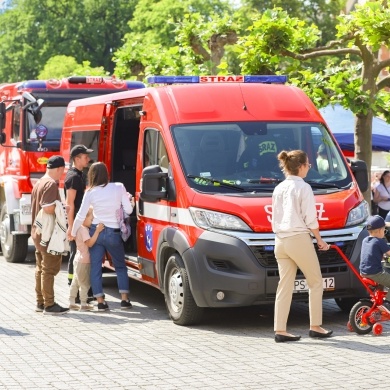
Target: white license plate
[{"x": 300, "y": 285}]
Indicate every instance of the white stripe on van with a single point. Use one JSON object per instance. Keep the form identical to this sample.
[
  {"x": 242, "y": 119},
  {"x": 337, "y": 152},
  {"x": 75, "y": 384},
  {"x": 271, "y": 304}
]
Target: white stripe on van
[{"x": 166, "y": 213}]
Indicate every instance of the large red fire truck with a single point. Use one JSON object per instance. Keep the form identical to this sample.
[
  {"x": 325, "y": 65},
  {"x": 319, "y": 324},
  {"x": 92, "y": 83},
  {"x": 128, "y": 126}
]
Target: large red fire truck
[
  {"x": 32, "y": 118},
  {"x": 200, "y": 159}
]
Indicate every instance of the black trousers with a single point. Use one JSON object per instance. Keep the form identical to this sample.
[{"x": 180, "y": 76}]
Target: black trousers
[
  {"x": 382, "y": 212},
  {"x": 72, "y": 254},
  {"x": 374, "y": 208}
]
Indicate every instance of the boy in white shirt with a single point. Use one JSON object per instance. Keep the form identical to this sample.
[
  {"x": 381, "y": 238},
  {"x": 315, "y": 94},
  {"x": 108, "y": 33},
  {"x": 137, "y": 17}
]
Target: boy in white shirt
[{"x": 82, "y": 263}]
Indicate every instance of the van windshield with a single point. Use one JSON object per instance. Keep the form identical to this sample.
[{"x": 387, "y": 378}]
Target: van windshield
[
  {"x": 52, "y": 120},
  {"x": 226, "y": 157}
]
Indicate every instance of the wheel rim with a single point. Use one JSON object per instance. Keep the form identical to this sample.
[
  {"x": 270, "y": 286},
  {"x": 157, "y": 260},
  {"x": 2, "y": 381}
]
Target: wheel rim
[
  {"x": 5, "y": 236},
  {"x": 359, "y": 318},
  {"x": 176, "y": 291},
  {"x": 377, "y": 329}
]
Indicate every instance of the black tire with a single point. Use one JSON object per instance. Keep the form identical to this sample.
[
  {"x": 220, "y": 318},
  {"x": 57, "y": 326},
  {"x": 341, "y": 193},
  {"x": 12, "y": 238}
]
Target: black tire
[
  {"x": 180, "y": 303},
  {"x": 355, "y": 317},
  {"x": 13, "y": 246},
  {"x": 346, "y": 304}
]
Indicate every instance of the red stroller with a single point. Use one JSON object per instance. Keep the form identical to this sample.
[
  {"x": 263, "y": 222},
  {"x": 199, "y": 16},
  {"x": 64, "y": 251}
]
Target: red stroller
[{"x": 368, "y": 313}]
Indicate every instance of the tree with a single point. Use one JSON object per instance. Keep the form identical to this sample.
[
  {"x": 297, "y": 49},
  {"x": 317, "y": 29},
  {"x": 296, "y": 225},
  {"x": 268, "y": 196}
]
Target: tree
[
  {"x": 17, "y": 54},
  {"x": 174, "y": 37},
  {"x": 193, "y": 36},
  {"x": 155, "y": 20},
  {"x": 33, "y": 31},
  {"x": 278, "y": 42},
  {"x": 322, "y": 13},
  {"x": 65, "y": 66}
]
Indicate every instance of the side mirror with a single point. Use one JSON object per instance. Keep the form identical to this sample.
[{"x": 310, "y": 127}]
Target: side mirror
[
  {"x": 153, "y": 184},
  {"x": 37, "y": 113},
  {"x": 33, "y": 106},
  {"x": 2, "y": 116},
  {"x": 359, "y": 169}
]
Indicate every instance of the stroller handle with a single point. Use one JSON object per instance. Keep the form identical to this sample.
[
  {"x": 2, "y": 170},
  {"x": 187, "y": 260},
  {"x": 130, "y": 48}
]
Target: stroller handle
[{"x": 350, "y": 265}]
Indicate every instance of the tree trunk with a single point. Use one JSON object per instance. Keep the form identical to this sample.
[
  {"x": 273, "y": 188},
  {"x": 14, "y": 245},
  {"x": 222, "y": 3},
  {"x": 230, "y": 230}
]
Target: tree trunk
[
  {"x": 363, "y": 121},
  {"x": 217, "y": 47},
  {"x": 363, "y": 144}
]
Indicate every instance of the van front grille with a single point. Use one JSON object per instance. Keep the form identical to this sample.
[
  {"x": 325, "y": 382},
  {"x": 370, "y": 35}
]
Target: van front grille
[{"x": 328, "y": 259}]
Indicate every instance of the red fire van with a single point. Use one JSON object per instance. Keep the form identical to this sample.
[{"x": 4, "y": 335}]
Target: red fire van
[
  {"x": 200, "y": 159},
  {"x": 31, "y": 126}
]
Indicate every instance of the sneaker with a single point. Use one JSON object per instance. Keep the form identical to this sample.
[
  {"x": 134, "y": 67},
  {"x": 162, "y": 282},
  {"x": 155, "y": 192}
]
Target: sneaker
[
  {"x": 103, "y": 306},
  {"x": 40, "y": 308},
  {"x": 125, "y": 305},
  {"x": 73, "y": 306},
  {"x": 87, "y": 307},
  {"x": 55, "y": 309},
  {"x": 92, "y": 298}
]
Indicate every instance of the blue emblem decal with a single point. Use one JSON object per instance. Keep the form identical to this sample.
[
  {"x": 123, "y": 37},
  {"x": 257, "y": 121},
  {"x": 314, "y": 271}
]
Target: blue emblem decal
[{"x": 149, "y": 237}]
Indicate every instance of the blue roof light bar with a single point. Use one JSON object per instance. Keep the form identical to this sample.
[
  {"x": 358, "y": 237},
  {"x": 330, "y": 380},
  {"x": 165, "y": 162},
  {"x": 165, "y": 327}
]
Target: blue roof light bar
[
  {"x": 271, "y": 79},
  {"x": 32, "y": 84},
  {"x": 173, "y": 79}
]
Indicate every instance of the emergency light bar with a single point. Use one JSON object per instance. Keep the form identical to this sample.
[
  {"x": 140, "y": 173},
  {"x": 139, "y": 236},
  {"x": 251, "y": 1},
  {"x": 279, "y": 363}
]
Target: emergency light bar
[
  {"x": 85, "y": 80},
  {"x": 216, "y": 79},
  {"x": 32, "y": 84}
]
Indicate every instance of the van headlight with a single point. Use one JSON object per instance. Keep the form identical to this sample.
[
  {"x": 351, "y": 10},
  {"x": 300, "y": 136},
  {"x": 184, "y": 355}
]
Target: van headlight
[
  {"x": 207, "y": 219},
  {"x": 358, "y": 215}
]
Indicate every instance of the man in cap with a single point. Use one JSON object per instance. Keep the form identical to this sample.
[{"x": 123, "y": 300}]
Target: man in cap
[
  {"x": 44, "y": 195},
  {"x": 75, "y": 184},
  {"x": 374, "y": 248}
]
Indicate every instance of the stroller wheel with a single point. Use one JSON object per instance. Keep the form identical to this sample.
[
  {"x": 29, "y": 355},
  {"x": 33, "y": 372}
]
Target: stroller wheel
[
  {"x": 359, "y": 323},
  {"x": 377, "y": 329}
]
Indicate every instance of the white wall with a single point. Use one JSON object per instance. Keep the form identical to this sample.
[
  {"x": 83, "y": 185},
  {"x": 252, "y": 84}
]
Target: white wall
[{"x": 379, "y": 160}]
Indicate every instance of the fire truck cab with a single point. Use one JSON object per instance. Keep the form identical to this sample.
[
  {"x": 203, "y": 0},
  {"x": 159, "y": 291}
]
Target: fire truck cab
[
  {"x": 32, "y": 118},
  {"x": 200, "y": 159}
]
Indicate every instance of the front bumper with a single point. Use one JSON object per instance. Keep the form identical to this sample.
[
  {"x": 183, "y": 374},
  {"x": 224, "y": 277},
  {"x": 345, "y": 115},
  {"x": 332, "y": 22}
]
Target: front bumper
[{"x": 237, "y": 266}]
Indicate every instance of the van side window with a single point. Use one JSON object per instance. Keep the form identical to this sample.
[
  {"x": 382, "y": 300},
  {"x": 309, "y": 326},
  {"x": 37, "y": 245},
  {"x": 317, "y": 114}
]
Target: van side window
[
  {"x": 162, "y": 155},
  {"x": 16, "y": 123},
  {"x": 155, "y": 152},
  {"x": 149, "y": 147},
  {"x": 90, "y": 139}
]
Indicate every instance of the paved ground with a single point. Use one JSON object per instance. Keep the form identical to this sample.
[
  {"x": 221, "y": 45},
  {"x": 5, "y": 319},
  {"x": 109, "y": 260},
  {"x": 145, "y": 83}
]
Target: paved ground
[{"x": 143, "y": 349}]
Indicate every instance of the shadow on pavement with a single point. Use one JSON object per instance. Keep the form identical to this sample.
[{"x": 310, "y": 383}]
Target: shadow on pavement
[{"x": 12, "y": 332}]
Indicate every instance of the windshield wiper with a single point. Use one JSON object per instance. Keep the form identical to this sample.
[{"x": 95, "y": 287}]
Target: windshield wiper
[
  {"x": 322, "y": 185},
  {"x": 214, "y": 181}
]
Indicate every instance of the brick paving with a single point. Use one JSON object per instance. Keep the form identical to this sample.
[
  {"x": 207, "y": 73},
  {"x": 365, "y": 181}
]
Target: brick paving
[{"x": 143, "y": 349}]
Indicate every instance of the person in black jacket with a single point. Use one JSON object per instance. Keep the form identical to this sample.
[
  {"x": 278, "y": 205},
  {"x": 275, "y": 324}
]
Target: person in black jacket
[{"x": 75, "y": 184}]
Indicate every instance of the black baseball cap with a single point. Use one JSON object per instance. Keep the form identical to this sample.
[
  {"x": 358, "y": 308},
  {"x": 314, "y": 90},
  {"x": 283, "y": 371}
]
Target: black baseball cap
[
  {"x": 79, "y": 149},
  {"x": 375, "y": 222},
  {"x": 55, "y": 162}
]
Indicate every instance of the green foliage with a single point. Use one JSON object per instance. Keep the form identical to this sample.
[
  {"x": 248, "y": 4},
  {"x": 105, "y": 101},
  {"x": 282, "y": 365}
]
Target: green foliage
[
  {"x": 271, "y": 35},
  {"x": 17, "y": 53},
  {"x": 383, "y": 102},
  {"x": 156, "y": 21},
  {"x": 322, "y": 13},
  {"x": 176, "y": 42},
  {"x": 277, "y": 42},
  {"x": 35, "y": 30},
  {"x": 65, "y": 66},
  {"x": 335, "y": 84},
  {"x": 370, "y": 22}
]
